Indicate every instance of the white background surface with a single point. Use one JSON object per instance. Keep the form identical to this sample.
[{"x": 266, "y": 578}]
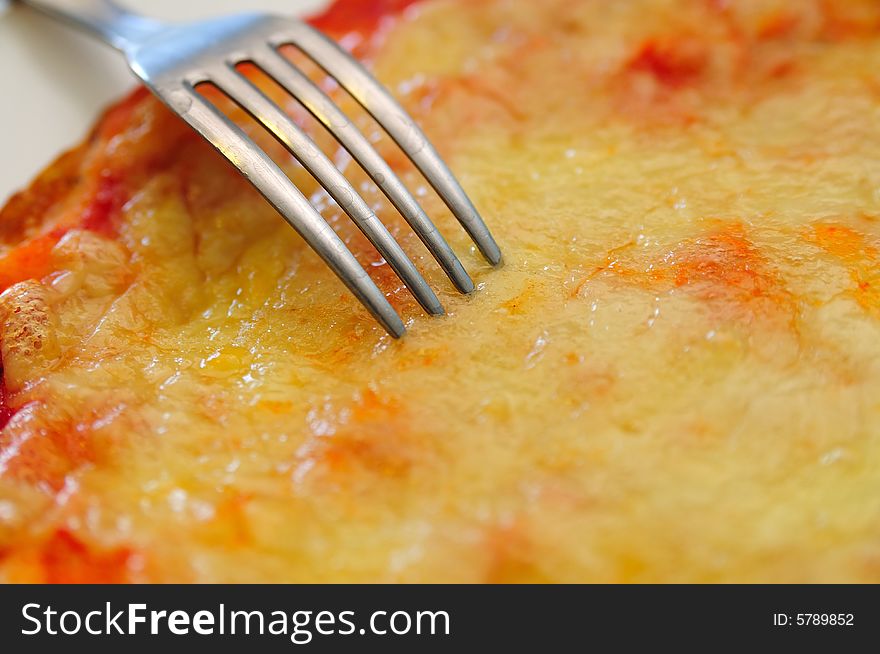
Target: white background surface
[{"x": 55, "y": 81}]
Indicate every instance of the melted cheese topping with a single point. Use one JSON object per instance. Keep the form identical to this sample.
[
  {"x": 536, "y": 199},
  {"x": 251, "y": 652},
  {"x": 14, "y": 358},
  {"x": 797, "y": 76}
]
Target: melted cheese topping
[{"x": 675, "y": 376}]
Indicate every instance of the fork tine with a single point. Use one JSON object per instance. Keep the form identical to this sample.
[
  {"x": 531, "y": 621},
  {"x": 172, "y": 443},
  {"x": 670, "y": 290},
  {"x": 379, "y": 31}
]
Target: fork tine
[
  {"x": 337, "y": 123},
  {"x": 370, "y": 94},
  {"x": 275, "y": 186},
  {"x": 273, "y": 118}
]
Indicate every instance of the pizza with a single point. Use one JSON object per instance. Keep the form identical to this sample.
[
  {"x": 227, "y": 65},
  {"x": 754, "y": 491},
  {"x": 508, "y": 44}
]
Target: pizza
[{"x": 675, "y": 376}]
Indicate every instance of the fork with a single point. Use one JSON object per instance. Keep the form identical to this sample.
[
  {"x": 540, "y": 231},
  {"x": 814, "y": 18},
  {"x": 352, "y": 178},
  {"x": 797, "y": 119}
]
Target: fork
[{"x": 173, "y": 60}]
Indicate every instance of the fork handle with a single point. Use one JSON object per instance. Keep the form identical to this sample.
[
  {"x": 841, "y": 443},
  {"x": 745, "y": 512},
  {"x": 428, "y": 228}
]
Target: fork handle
[{"x": 104, "y": 19}]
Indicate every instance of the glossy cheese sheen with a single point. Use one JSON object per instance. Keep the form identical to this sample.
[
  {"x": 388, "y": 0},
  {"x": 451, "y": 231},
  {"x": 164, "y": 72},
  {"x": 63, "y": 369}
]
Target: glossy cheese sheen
[{"x": 675, "y": 376}]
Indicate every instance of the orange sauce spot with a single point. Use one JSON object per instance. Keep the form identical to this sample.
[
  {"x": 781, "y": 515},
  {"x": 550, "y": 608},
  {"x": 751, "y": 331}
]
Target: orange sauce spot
[
  {"x": 63, "y": 558},
  {"x": 43, "y": 454},
  {"x": 782, "y": 69},
  {"x": 352, "y": 452},
  {"x": 511, "y": 557},
  {"x": 858, "y": 255},
  {"x": 726, "y": 270},
  {"x": 102, "y": 212},
  {"x": 669, "y": 76},
  {"x": 841, "y": 241},
  {"x": 372, "y": 406},
  {"x": 723, "y": 269},
  {"x": 519, "y": 304},
  {"x": 778, "y": 25},
  {"x": 116, "y": 119},
  {"x": 673, "y": 62},
  {"x": 377, "y": 440},
  {"x": 31, "y": 260},
  {"x": 358, "y": 16},
  {"x": 230, "y": 522},
  {"x": 656, "y": 84},
  {"x": 725, "y": 260},
  {"x": 423, "y": 357}
]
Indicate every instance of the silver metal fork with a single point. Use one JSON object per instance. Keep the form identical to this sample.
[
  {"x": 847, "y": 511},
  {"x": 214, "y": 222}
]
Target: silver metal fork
[{"x": 172, "y": 60}]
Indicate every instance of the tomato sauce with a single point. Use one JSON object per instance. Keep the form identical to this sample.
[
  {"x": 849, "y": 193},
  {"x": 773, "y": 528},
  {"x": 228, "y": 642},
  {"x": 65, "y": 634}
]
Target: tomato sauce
[{"x": 358, "y": 16}]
